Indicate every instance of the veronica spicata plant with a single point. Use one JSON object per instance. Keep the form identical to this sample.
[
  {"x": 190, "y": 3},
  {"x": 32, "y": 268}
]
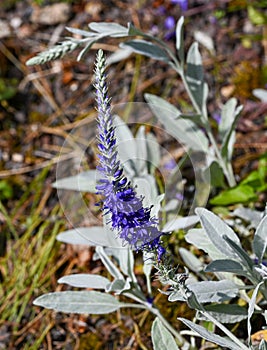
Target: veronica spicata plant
[{"x": 210, "y": 286}]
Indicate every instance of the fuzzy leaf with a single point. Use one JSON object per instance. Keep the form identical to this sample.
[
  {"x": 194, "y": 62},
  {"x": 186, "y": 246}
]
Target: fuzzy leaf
[
  {"x": 183, "y": 130},
  {"x": 147, "y": 48},
  {"x": 214, "y": 291},
  {"x": 225, "y": 313},
  {"x": 82, "y": 280},
  {"x": 214, "y": 338},
  {"x": 113, "y": 30},
  {"x": 225, "y": 265},
  {"x": 83, "y": 182},
  {"x": 82, "y": 302},
  {"x": 216, "y": 229},
  {"x": 191, "y": 261},
  {"x": 195, "y": 74},
  {"x": 180, "y": 38},
  {"x": 161, "y": 337},
  {"x": 181, "y": 223},
  {"x": 260, "y": 239}
]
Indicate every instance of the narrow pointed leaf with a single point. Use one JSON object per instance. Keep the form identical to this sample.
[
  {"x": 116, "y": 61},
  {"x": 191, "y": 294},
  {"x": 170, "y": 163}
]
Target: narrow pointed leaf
[
  {"x": 226, "y": 265},
  {"x": 225, "y": 313},
  {"x": 251, "y": 308},
  {"x": 180, "y": 38},
  {"x": 214, "y": 338},
  {"x": 147, "y": 48}
]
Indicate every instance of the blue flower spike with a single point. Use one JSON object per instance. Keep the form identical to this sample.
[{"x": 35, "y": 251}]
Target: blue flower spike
[{"x": 127, "y": 215}]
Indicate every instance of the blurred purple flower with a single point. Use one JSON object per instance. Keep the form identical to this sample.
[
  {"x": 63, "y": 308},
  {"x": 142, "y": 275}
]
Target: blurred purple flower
[
  {"x": 217, "y": 117},
  {"x": 182, "y": 3},
  {"x": 169, "y": 22},
  {"x": 170, "y": 165}
]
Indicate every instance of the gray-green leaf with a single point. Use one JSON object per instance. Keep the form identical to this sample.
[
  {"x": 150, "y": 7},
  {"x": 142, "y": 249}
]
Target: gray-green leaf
[
  {"x": 85, "y": 280},
  {"x": 161, "y": 337},
  {"x": 83, "y": 182},
  {"x": 83, "y": 302},
  {"x": 260, "y": 239},
  {"x": 214, "y": 338},
  {"x": 147, "y": 48}
]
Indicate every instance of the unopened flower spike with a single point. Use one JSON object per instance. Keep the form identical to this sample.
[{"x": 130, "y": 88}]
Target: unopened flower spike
[{"x": 127, "y": 215}]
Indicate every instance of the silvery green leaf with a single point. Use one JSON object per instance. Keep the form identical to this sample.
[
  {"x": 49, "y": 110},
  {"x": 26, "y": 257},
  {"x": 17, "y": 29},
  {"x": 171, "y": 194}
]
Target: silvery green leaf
[
  {"x": 260, "y": 94},
  {"x": 214, "y": 338},
  {"x": 162, "y": 339},
  {"x": 146, "y": 186},
  {"x": 142, "y": 156},
  {"x": 190, "y": 260},
  {"x": 244, "y": 258},
  {"x": 260, "y": 239},
  {"x": 200, "y": 239},
  {"x": 91, "y": 236},
  {"x": 226, "y": 265},
  {"x": 181, "y": 223},
  {"x": 81, "y": 32},
  {"x": 113, "y": 30},
  {"x": 125, "y": 260},
  {"x": 183, "y": 130},
  {"x": 146, "y": 48},
  {"x": 147, "y": 268},
  {"x": 176, "y": 296},
  {"x": 119, "y": 55},
  {"x": 110, "y": 266},
  {"x": 85, "y": 280},
  {"x": 249, "y": 215},
  {"x": 195, "y": 74},
  {"x": 230, "y": 115},
  {"x": 126, "y": 146},
  {"x": 251, "y": 308},
  {"x": 153, "y": 151},
  {"x": 82, "y": 302},
  {"x": 225, "y": 313},
  {"x": 83, "y": 182},
  {"x": 214, "y": 291},
  {"x": 216, "y": 229},
  {"x": 180, "y": 39},
  {"x": 118, "y": 286},
  {"x": 204, "y": 39},
  {"x": 213, "y": 174},
  {"x": 157, "y": 205}
]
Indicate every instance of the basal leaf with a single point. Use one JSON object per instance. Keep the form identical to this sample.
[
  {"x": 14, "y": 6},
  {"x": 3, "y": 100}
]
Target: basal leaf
[
  {"x": 183, "y": 130},
  {"x": 83, "y": 182},
  {"x": 214, "y": 338},
  {"x": 225, "y": 313},
  {"x": 85, "y": 280},
  {"x": 216, "y": 230},
  {"x": 214, "y": 291},
  {"x": 225, "y": 265},
  {"x": 147, "y": 48},
  {"x": 83, "y": 302},
  {"x": 260, "y": 239},
  {"x": 162, "y": 339}
]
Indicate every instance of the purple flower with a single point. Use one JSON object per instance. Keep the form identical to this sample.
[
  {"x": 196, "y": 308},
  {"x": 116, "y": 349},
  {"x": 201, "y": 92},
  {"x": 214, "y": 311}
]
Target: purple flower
[
  {"x": 169, "y": 22},
  {"x": 217, "y": 117},
  {"x": 133, "y": 222},
  {"x": 183, "y": 4}
]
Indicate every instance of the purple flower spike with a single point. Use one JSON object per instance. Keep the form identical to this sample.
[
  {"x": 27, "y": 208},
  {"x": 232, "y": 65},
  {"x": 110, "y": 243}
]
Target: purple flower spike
[{"x": 132, "y": 221}]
